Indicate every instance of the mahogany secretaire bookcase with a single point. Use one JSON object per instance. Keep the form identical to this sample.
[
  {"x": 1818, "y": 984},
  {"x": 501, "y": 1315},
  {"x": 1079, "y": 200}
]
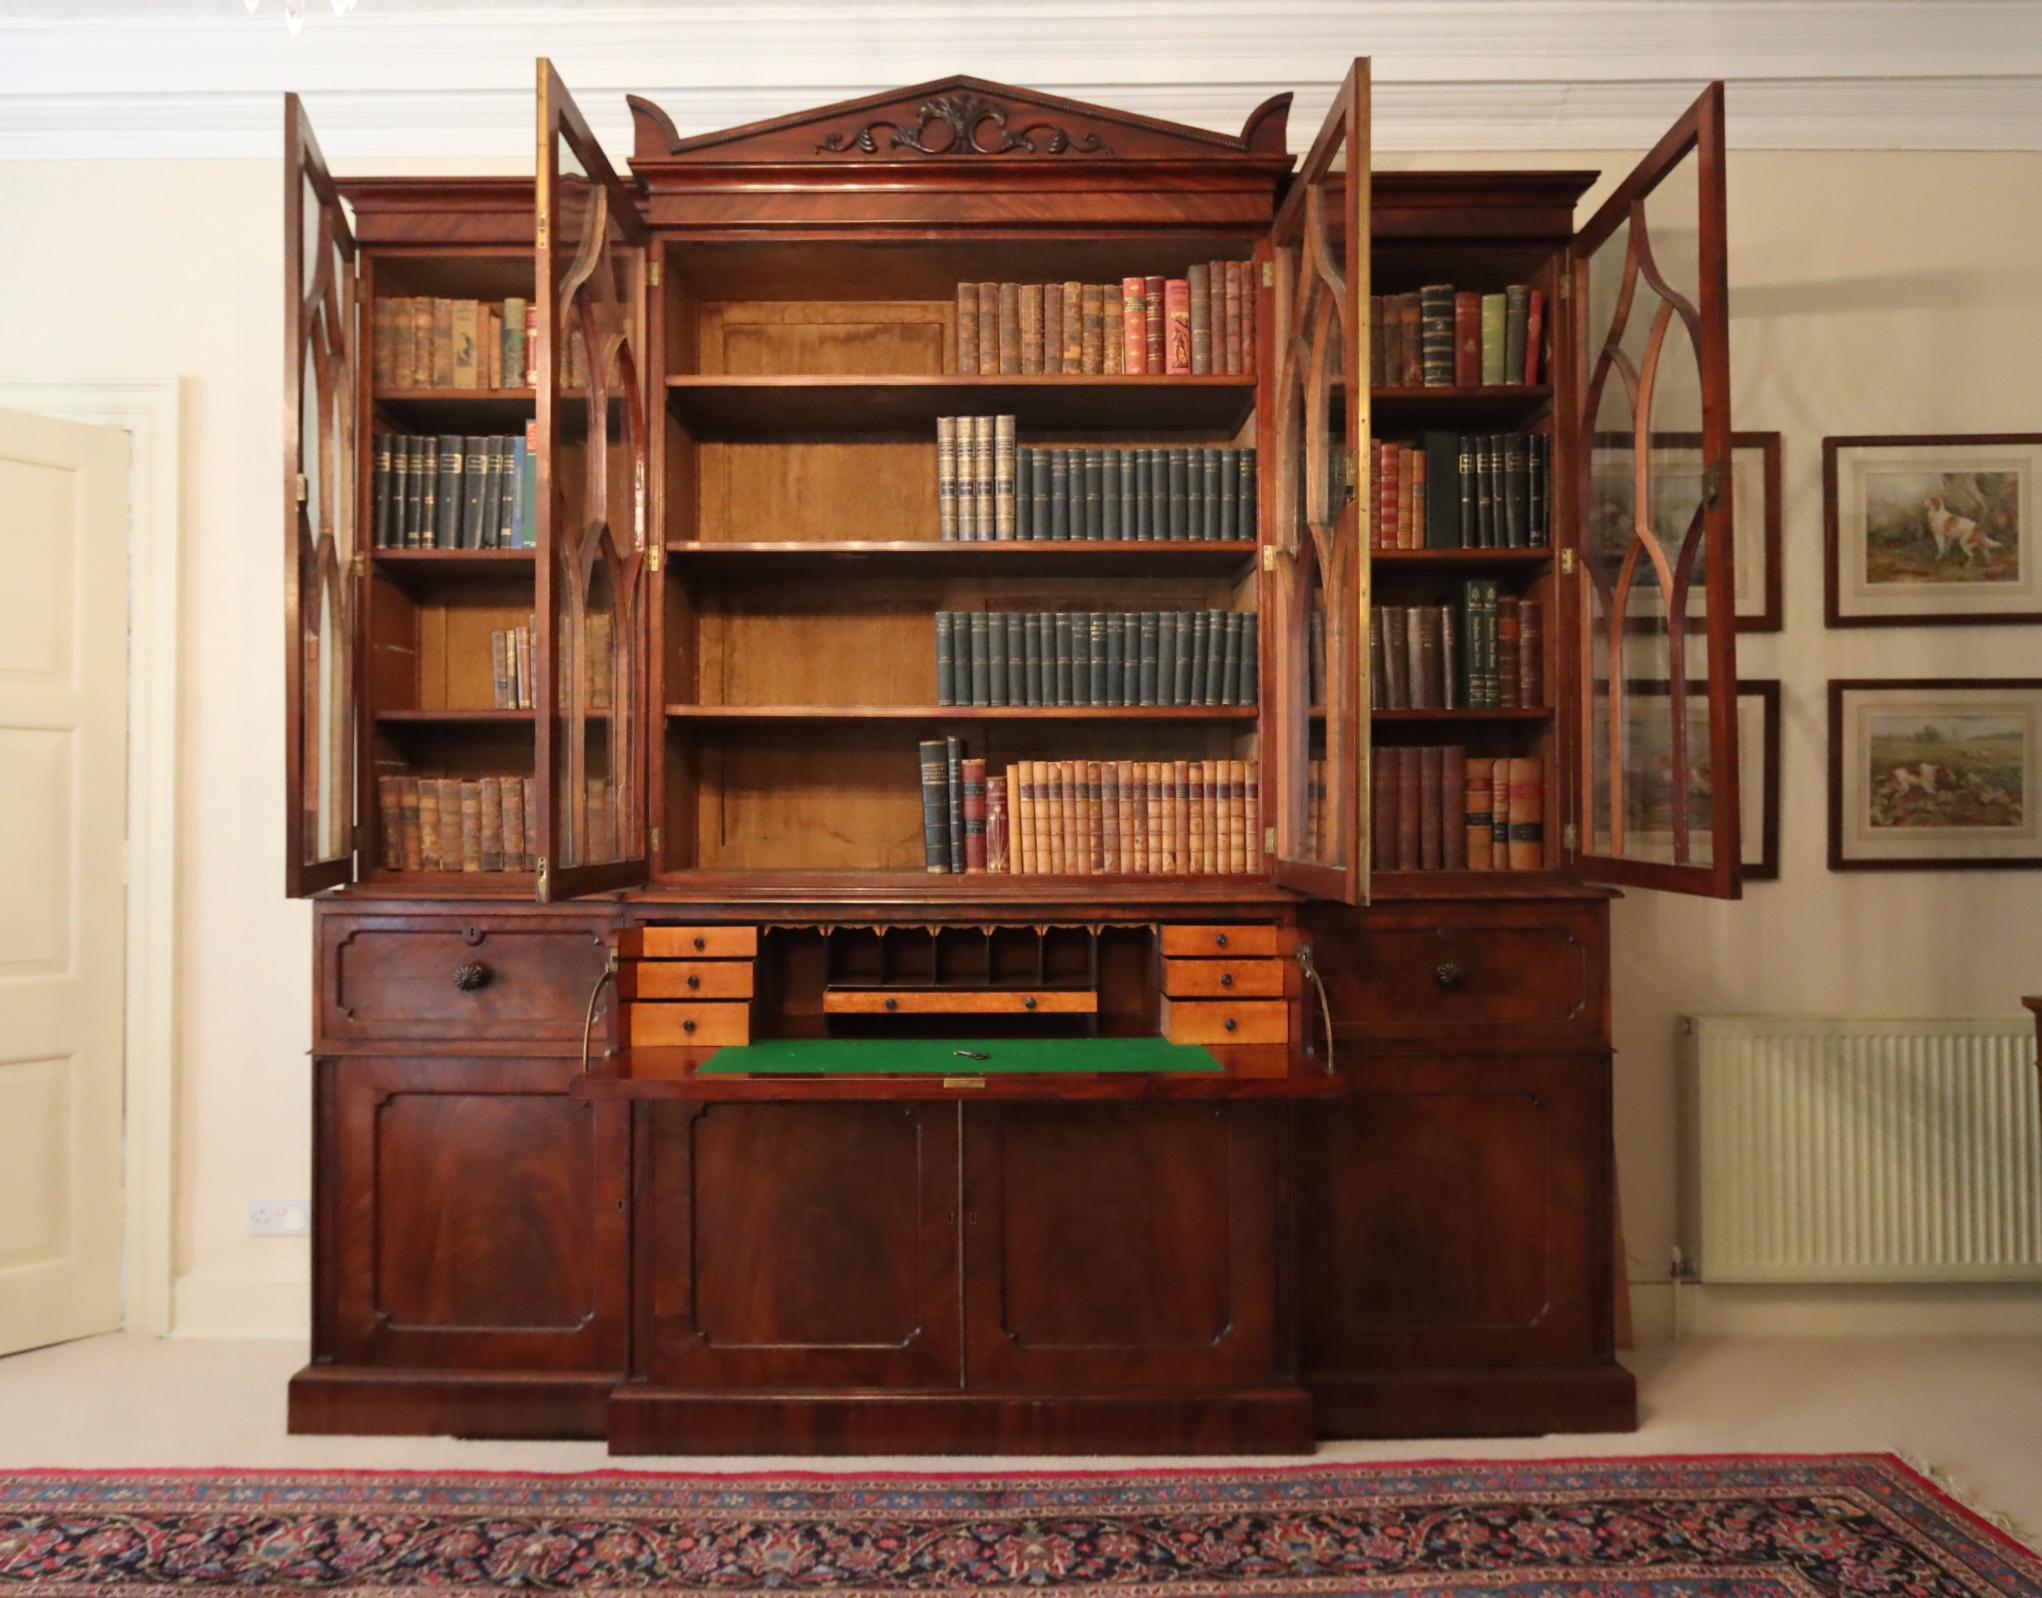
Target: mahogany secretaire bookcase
[{"x": 725, "y": 1125}]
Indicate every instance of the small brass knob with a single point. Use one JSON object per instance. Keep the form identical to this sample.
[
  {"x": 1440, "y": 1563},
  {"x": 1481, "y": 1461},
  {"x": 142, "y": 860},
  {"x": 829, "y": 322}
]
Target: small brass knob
[
  {"x": 1029, "y": 1002},
  {"x": 893, "y": 1004},
  {"x": 470, "y": 975},
  {"x": 1221, "y": 940},
  {"x": 1226, "y": 979},
  {"x": 1232, "y": 1024},
  {"x": 694, "y": 981},
  {"x": 688, "y": 1027},
  {"x": 700, "y": 945},
  {"x": 1448, "y": 974}
]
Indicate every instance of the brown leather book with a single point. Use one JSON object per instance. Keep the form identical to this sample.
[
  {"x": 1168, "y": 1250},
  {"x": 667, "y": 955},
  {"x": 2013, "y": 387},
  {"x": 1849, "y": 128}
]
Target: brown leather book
[
  {"x": 1453, "y": 799},
  {"x": 1155, "y": 315},
  {"x": 1095, "y": 816},
  {"x": 471, "y": 827},
  {"x": 1052, "y": 793},
  {"x": 1134, "y": 327},
  {"x": 1431, "y": 808},
  {"x": 1477, "y": 843},
  {"x": 1052, "y": 327},
  {"x": 1234, "y": 272},
  {"x": 988, "y": 329},
  {"x": 1531, "y": 653},
  {"x": 1180, "y": 818},
  {"x": 1508, "y": 644},
  {"x": 1194, "y": 803},
  {"x": 1410, "y": 811},
  {"x": 1499, "y": 813},
  {"x": 1251, "y": 794},
  {"x": 424, "y": 317},
  {"x": 390, "y": 823},
  {"x": 1422, "y": 628},
  {"x": 490, "y": 801},
  {"x": 1112, "y": 335},
  {"x": 1091, "y": 330},
  {"x": 411, "y": 800},
  {"x": 1109, "y": 817},
  {"x": 1383, "y": 785},
  {"x": 1412, "y": 374},
  {"x": 967, "y": 329},
  {"x": 1239, "y": 815},
  {"x": 1468, "y": 340},
  {"x": 1010, "y": 329},
  {"x": 1251, "y": 285},
  {"x": 1378, "y": 679},
  {"x": 1198, "y": 277},
  {"x": 1527, "y": 813},
  {"x": 1020, "y": 800},
  {"x": 534, "y": 842},
  {"x": 1074, "y": 328},
  {"x": 382, "y": 324},
  {"x": 433, "y": 852},
  {"x": 516, "y": 856},
  {"x": 443, "y": 344},
  {"x": 1126, "y": 780},
  {"x": 1177, "y": 326}
]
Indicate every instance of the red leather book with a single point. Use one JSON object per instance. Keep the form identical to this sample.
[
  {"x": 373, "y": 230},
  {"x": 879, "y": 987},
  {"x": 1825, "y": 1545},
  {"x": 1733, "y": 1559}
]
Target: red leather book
[
  {"x": 1134, "y": 330},
  {"x": 1393, "y": 494},
  {"x": 1177, "y": 327},
  {"x": 974, "y": 777},
  {"x": 1531, "y": 654},
  {"x": 1508, "y": 645},
  {"x": 1375, "y": 496},
  {"x": 1411, "y": 371},
  {"x": 1431, "y": 808},
  {"x": 1153, "y": 310},
  {"x": 1410, "y": 812},
  {"x": 1478, "y": 846},
  {"x": 1527, "y": 813},
  {"x": 1534, "y": 333},
  {"x": 998, "y": 842},
  {"x": 1499, "y": 812},
  {"x": 1112, "y": 330},
  {"x": 1468, "y": 340},
  {"x": 1453, "y": 801}
]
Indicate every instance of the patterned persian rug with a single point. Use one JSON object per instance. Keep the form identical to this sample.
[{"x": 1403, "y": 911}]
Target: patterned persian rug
[{"x": 1730, "y": 1527}]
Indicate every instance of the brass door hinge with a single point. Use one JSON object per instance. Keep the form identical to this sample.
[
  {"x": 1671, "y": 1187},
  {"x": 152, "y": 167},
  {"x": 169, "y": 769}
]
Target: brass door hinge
[
  {"x": 655, "y": 840},
  {"x": 1269, "y": 557},
  {"x": 302, "y": 488},
  {"x": 545, "y": 886},
  {"x": 1566, "y": 284},
  {"x": 1569, "y": 839},
  {"x": 361, "y": 566},
  {"x": 1269, "y": 840},
  {"x": 1353, "y": 476},
  {"x": 1566, "y": 563},
  {"x": 655, "y": 555},
  {"x": 1269, "y": 274},
  {"x": 1712, "y": 484},
  {"x": 652, "y": 272}
]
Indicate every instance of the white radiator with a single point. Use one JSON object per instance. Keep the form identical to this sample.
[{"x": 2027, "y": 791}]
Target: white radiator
[{"x": 1860, "y": 1151}]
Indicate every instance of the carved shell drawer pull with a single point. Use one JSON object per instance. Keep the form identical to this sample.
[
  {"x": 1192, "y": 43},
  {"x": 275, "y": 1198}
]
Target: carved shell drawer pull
[{"x": 471, "y": 975}]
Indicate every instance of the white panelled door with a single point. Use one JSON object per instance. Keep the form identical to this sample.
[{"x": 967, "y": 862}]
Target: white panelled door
[{"x": 63, "y": 802}]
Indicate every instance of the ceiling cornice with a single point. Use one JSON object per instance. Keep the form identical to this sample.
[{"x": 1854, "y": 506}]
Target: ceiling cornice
[{"x": 385, "y": 83}]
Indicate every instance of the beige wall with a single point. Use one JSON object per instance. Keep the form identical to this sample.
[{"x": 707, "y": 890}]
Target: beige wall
[{"x": 1870, "y": 293}]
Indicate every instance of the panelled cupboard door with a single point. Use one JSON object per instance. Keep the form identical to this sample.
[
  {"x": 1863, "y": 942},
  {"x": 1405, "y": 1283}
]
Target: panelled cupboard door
[
  {"x": 320, "y": 549},
  {"x": 1657, "y": 786},
  {"x": 595, "y": 513},
  {"x": 1316, "y": 429}
]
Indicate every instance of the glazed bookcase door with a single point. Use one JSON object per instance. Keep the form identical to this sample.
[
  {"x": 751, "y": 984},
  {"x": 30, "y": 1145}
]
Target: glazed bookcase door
[
  {"x": 594, "y": 511},
  {"x": 321, "y": 403},
  {"x": 1657, "y": 790},
  {"x": 1319, "y": 430}
]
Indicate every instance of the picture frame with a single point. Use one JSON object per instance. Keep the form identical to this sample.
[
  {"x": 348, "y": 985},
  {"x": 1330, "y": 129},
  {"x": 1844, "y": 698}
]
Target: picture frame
[
  {"x": 1758, "y": 768},
  {"x": 1932, "y": 529},
  {"x": 1935, "y": 773}
]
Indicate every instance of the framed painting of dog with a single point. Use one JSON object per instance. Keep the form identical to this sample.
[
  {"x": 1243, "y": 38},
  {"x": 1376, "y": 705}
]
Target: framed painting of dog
[
  {"x": 1932, "y": 530},
  {"x": 1931, "y": 773}
]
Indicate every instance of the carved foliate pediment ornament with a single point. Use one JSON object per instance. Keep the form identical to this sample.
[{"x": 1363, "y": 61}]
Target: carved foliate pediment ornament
[
  {"x": 963, "y": 123},
  {"x": 958, "y": 118}
]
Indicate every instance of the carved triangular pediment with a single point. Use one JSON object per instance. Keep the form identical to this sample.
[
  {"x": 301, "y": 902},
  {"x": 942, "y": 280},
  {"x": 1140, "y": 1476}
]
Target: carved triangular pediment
[{"x": 959, "y": 118}]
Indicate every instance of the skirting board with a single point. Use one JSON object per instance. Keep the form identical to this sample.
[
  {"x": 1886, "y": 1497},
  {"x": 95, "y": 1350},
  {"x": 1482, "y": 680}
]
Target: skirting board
[
  {"x": 1834, "y": 1310},
  {"x": 239, "y": 1307}
]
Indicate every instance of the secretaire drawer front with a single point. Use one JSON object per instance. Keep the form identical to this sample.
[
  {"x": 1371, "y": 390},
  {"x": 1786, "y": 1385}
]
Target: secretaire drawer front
[
  {"x": 1223, "y": 979},
  {"x": 1220, "y": 942},
  {"x": 1533, "y": 977},
  {"x": 418, "y": 979}
]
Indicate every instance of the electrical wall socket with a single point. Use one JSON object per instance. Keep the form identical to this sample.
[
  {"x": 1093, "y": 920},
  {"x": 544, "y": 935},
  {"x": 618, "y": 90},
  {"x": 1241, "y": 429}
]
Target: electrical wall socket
[{"x": 279, "y": 1217}]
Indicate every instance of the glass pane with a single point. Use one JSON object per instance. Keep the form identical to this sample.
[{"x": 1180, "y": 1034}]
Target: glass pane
[
  {"x": 600, "y": 519},
  {"x": 326, "y": 533},
  {"x": 1647, "y": 530}
]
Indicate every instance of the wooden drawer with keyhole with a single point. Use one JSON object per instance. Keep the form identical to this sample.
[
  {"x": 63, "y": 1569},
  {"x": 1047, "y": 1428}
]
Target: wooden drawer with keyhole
[
  {"x": 1205, "y": 943},
  {"x": 685, "y": 979},
  {"x": 688, "y": 1025},
  {"x": 1223, "y": 979},
  {"x": 1225, "y": 1021}
]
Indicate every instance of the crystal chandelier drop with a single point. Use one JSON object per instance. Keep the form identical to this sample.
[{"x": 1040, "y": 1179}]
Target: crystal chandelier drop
[{"x": 294, "y": 11}]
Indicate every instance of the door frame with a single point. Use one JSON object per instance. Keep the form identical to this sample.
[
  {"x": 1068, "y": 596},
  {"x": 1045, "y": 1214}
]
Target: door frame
[{"x": 149, "y": 414}]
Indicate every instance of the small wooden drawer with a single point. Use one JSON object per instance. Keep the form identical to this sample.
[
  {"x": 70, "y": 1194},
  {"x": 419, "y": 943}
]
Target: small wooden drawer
[
  {"x": 691, "y": 943},
  {"x": 687, "y": 1025},
  {"x": 1223, "y": 979},
  {"x": 685, "y": 979},
  {"x": 511, "y": 978},
  {"x": 958, "y": 1001},
  {"x": 1205, "y": 943},
  {"x": 1225, "y": 1021}
]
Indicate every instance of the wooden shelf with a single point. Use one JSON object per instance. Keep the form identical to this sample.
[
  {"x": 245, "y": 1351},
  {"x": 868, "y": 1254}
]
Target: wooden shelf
[
  {"x": 786, "y": 562},
  {"x": 1461, "y": 557},
  {"x": 1519, "y": 713},
  {"x": 417, "y": 566},
  {"x": 454, "y": 718},
  {"x": 717, "y": 407},
  {"x": 960, "y": 713},
  {"x": 1504, "y": 405},
  {"x": 457, "y": 410},
  {"x": 839, "y": 889}
]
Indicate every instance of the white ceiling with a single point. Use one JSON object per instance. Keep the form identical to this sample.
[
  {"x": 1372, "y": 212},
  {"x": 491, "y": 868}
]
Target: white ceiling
[{"x": 451, "y": 79}]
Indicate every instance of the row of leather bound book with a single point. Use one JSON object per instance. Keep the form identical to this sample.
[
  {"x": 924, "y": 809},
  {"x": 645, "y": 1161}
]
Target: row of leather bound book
[
  {"x": 1439, "y": 808},
  {"x": 1113, "y": 659},
  {"x": 1462, "y": 491},
  {"x": 1201, "y": 323},
  {"x": 1485, "y": 653},
  {"x": 1441, "y": 337},
  {"x": 450, "y": 491},
  {"x": 425, "y": 342},
  {"x": 988, "y": 489},
  {"x": 455, "y": 823}
]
